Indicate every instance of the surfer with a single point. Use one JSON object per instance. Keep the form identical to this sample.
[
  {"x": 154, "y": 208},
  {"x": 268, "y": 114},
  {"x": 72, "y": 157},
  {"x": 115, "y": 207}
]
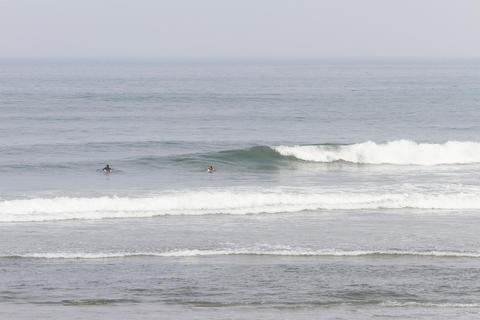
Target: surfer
[
  {"x": 210, "y": 169},
  {"x": 107, "y": 169}
]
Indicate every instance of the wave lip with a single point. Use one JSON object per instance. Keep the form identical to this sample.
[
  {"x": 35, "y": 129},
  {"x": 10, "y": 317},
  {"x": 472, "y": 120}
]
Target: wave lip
[
  {"x": 293, "y": 252},
  {"x": 399, "y": 152}
]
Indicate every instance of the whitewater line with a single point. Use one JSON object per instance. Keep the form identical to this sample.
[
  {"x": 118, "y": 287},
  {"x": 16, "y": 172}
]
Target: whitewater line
[
  {"x": 237, "y": 202},
  {"x": 247, "y": 252}
]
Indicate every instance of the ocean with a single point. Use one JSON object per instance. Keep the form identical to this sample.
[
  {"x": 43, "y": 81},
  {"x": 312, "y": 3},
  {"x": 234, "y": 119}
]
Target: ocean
[{"x": 342, "y": 190}]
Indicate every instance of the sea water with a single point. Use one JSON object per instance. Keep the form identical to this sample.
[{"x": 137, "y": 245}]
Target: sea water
[{"x": 343, "y": 190}]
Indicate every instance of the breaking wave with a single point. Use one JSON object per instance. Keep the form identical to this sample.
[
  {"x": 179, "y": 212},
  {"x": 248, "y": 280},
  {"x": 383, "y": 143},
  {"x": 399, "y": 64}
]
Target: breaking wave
[
  {"x": 266, "y": 158},
  {"x": 225, "y": 201},
  {"x": 400, "y": 152}
]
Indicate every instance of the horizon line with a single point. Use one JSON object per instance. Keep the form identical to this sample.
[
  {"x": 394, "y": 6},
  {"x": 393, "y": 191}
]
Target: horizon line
[{"x": 242, "y": 59}]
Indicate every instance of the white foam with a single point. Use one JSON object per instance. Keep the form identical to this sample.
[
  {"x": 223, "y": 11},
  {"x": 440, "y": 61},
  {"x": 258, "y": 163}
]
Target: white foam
[
  {"x": 251, "y": 251},
  {"x": 237, "y": 202},
  {"x": 400, "y": 152}
]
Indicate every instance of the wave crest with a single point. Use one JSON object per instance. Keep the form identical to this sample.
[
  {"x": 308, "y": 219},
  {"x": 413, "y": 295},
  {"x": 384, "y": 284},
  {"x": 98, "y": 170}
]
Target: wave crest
[{"x": 400, "y": 152}]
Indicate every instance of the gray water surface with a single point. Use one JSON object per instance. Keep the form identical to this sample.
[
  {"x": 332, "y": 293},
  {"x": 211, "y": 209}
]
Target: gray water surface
[{"x": 392, "y": 233}]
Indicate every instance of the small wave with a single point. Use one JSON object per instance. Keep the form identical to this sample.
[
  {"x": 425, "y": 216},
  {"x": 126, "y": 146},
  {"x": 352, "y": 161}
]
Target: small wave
[
  {"x": 88, "y": 302},
  {"x": 430, "y": 304},
  {"x": 250, "y": 252},
  {"x": 400, "y": 152},
  {"x": 208, "y": 202}
]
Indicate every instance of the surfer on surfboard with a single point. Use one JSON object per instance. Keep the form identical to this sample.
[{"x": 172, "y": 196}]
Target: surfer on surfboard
[
  {"x": 210, "y": 169},
  {"x": 107, "y": 169}
]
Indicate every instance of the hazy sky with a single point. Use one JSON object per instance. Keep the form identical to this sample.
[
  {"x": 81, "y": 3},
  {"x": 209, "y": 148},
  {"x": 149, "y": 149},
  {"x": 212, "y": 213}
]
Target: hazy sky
[{"x": 239, "y": 29}]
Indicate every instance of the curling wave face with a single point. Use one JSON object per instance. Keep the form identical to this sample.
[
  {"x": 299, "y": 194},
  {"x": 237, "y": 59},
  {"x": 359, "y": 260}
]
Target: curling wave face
[
  {"x": 400, "y": 152},
  {"x": 242, "y": 201}
]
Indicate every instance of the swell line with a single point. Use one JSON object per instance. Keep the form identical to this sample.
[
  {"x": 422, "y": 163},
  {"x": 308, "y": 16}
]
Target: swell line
[{"x": 249, "y": 252}]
